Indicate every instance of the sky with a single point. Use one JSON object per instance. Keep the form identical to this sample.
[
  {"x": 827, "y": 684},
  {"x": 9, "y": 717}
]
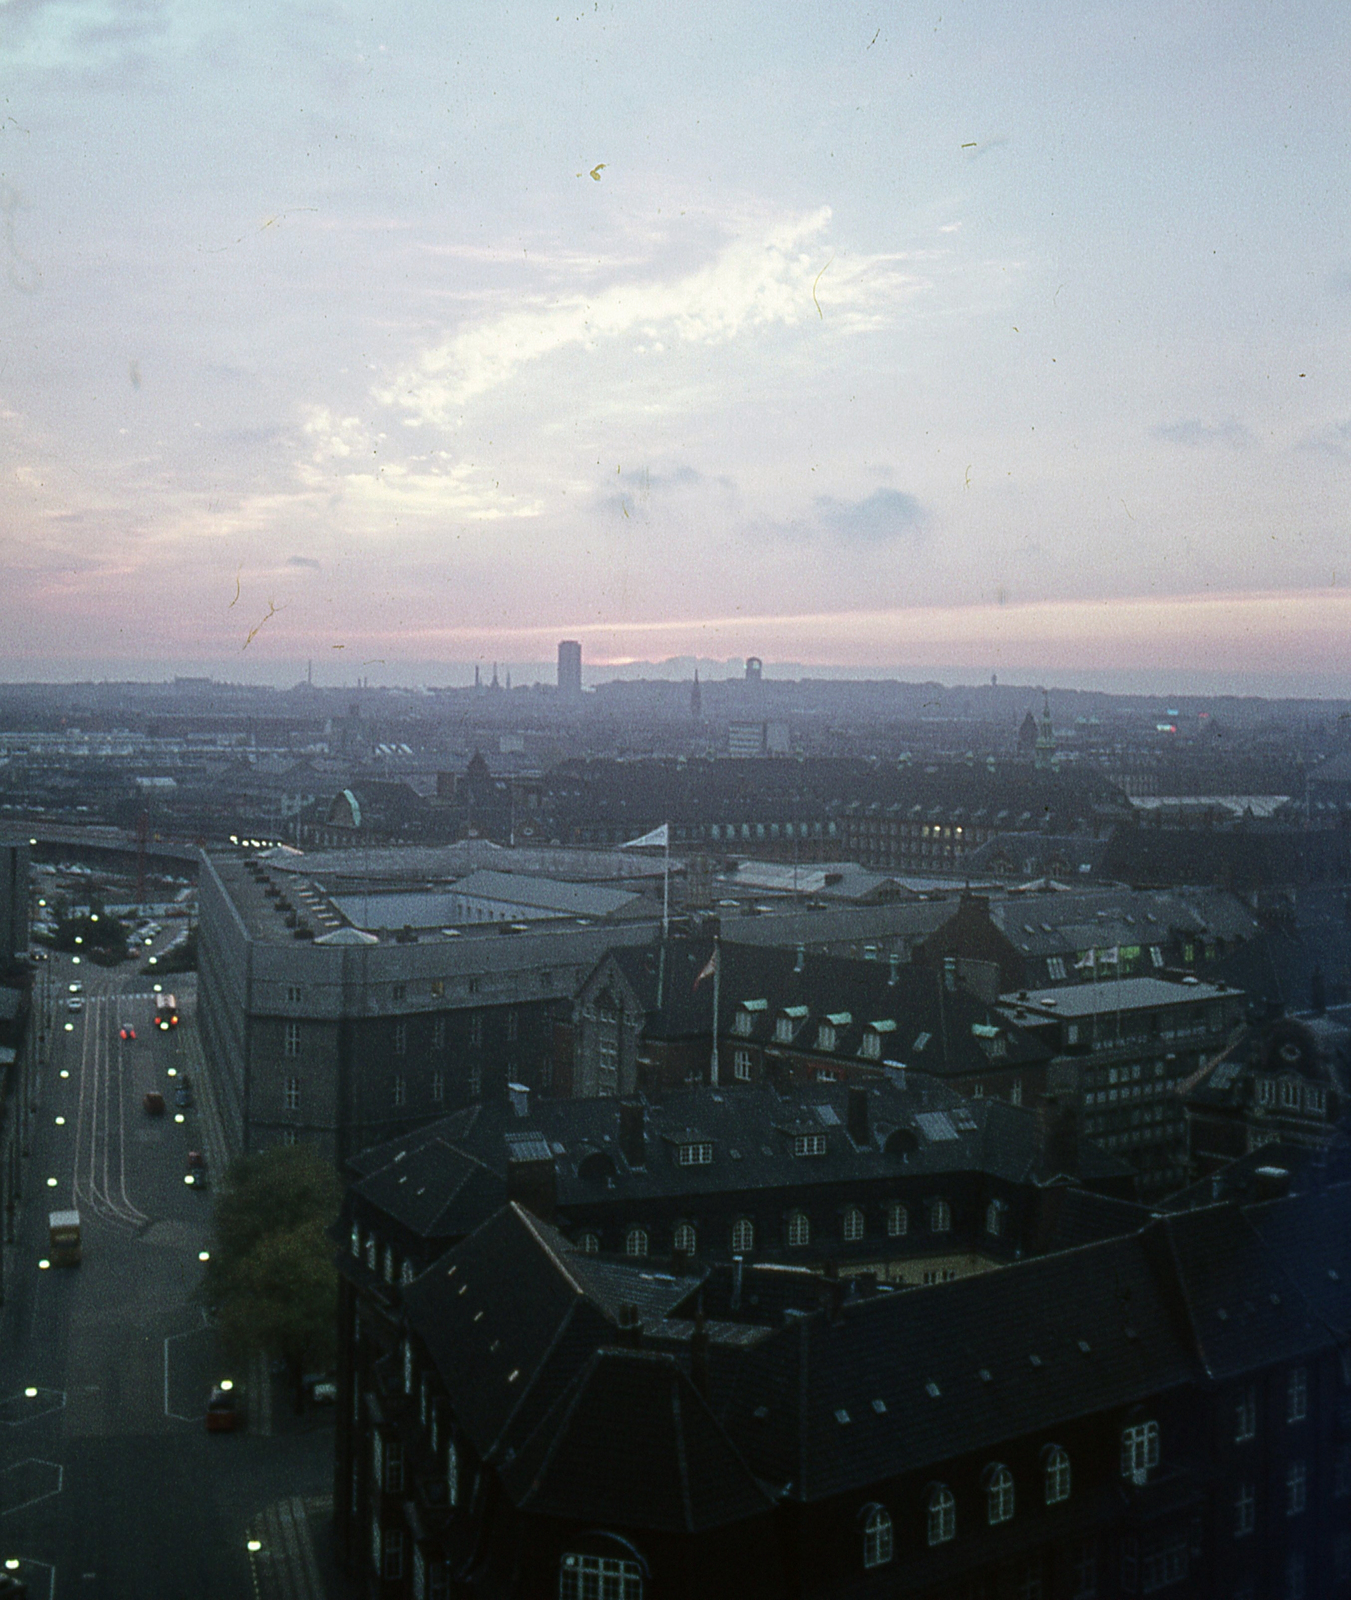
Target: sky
[{"x": 958, "y": 337}]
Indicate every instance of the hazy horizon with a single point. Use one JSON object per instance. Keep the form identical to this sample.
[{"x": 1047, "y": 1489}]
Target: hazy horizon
[{"x": 1014, "y": 340}]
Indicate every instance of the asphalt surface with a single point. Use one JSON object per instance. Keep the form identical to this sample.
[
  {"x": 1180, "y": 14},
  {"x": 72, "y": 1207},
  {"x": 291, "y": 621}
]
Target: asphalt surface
[{"x": 109, "y": 1483}]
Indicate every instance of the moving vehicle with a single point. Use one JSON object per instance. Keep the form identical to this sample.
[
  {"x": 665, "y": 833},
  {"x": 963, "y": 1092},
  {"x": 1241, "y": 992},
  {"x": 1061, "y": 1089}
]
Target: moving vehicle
[
  {"x": 224, "y": 1408},
  {"x": 74, "y": 1003},
  {"x": 126, "y": 1031},
  {"x": 63, "y": 1238},
  {"x": 182, "y": 1097},
  {"x": 75, "y": 988},
  {"x": 166, "y": 1012}
]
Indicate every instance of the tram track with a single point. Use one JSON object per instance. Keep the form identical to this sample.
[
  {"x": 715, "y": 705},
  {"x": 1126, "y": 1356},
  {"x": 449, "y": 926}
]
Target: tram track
[{"x": 100, "y": 1129}]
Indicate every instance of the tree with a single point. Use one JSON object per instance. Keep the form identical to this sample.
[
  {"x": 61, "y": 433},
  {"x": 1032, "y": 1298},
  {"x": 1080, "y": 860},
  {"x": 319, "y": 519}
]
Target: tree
[{"x": 271, "y": 1278}]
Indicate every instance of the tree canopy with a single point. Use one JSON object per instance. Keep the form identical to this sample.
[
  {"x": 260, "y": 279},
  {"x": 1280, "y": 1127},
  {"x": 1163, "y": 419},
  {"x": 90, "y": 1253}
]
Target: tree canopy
[{"x": 271, "y": 1278}]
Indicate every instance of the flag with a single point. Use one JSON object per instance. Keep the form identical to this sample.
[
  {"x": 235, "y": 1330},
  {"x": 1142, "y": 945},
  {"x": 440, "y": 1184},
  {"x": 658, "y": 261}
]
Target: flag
[
  {"x": 1088, "y": 959},
  {"x": 1110, "y": 958},
  {"x": 709, "y": 968},
  {"x": 658, "y": 836}
]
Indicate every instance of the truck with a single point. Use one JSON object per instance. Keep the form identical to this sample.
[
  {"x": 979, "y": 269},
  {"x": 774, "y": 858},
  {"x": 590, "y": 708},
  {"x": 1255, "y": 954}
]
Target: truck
[{"x": 63, "y": 1233}]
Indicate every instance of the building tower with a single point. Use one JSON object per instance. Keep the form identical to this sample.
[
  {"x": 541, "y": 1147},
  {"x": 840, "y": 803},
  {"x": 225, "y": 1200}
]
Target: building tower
[
  {"x": 569, "y": 667},
  {"x": 754, "y": 669},
  {"x": 1044, "y": 757},
  {"x": 696, "y": 698}
]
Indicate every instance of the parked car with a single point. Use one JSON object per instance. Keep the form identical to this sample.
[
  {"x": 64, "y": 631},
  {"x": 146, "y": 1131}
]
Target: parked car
[
  {"x": 224, "y": 1408},
  {"x": 74, "y": 1003},
  {"x": 182, "y": 1097},
  {"x": 154, "y": 1103}
]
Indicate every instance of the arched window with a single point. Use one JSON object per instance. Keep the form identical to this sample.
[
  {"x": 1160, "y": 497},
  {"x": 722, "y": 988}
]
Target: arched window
[
  {"x": 994, "y": 1218},
  {"x": 584, "y": 1577},
  {"x": 635, "y": 1242},
  {"x": 998, "y": 1494},
  {"x": 799, "y": 1228},
  {"x": 940, "y": 1217},
  {"x": 1055, "y": 1459},
  {"x": 878, "y": 1541},
  {"x": 743, "y": 1236},
  {"x": 684, "y": 1239},
  {"x": 898, "y": 1220},
  {"x": 942, "y": 1514},
  {"x": 853, "y": 1225},
  {"x": 406, "y": 1272},
  {"x": 588, "y": 1243}
]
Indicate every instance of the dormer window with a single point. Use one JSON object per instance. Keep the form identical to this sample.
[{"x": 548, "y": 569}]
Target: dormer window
[
  {"x": 783, "y": 1031},
  {"x": 825, "y": 1037},
  {"x": 697, "y": 1153},
  {"x": 1289, "y": 1094},
  {"x": 809, "y": 1144},
  {"x": 1315, "y": 1100},
  {"x": 744, "y": 1021},
  {"x": 872, "y": 1045},
  {"x": 1266, "y": 1092}
]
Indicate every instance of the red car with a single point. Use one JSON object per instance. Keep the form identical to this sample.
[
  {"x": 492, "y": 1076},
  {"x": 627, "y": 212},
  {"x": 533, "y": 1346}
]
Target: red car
[
  {"x": 126, "y": 1032},
  {"x": 223, "y": 1410}
]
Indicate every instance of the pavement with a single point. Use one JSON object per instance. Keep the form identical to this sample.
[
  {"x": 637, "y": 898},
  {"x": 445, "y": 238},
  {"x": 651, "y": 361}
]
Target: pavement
[{"x": 109, "y": 1483}]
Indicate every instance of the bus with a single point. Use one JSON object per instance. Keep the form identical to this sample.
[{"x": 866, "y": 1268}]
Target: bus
[
  {"x": 63, "y": 1238},
  {"x": 166, "y": 1012}
]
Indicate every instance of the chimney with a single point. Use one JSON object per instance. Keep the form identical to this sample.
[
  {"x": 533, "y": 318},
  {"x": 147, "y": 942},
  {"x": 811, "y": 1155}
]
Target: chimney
[
  {"x": 699, "y": 1352},
  {"x": 631, "y": 1137},
  {"x": 1057, "y": 1136},
  {"x": 519, "y": 1094},
  {"x": 857, "y": 1114},
  {"x": 533, "y": 1185},
  {"x": 630, "y": 1325}
]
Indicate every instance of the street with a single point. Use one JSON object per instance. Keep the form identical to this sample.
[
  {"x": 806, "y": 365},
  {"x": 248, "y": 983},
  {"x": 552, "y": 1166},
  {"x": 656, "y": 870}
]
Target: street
[{"x": 109, "y": 1483}]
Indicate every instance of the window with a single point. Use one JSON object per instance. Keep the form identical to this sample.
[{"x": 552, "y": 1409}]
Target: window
[
  {"x": 783, "y": 1030},
  {"x": 400, "y": 1038},
  {"x": 898, "y": 1220},
  {"x": 1290, "y": 1094},
  {"x": 994, "y": 1218},
  {"x": 291, "y": 1043},
  {"x": 1245, "y": 1416},
  {"x": 436, "y": 988},
  {"x": 743, "y": 1022},
  {"x": 438, "y": 1086},
  {"x": 853, "y": 1225},
  {"x": 1085, "y": 1573},
  {"x": 696, "y": 1154},
  {"x": 513, "y": 1027},
  {"x": 743, "y": 1236},
  {"x": 1266, "y": 1092},
  {"x": 393, "y": 1467},
  {"x": 391, "y": 1565},
  {"x": 878, "y": 1541},
  {"x": 476, "y": 1028},
  {"x": 452, "y": 1473},
  {"x": 599, "y": 1578},
  {"x": 292, "y": 1094},
  {"x": 406, "y": 1272},
  {"x": 475, "y": 1080},
  {"x": 406, "y": 1354},
  {"x": 940, "y": 1217},
  {"x": 741, "y": 1065},
  {"x": 1297, "y": 1394},
  {"x": 588, "y": 1243},
  {"x": 1164, "y": 1566},
  {"x": 635, "y": 1242},
  {"x": 398, "y": 991},
  {"x": 1296, "y": 1488},
  {"x": 388, "y": 1266},
  {"x": 1055, "y": 968},
  {"x": 1245, "y": 1510},
  {"x": 825, "y": 1037},
  {"x": 399, "y": 1087},
  {"x": 356, "y": 1240},
  {"x": 288, "y": 1136},
  {"x": 293, "y": 993},
  {"x": 1016, "y": 1092},
  {"x": 1139, "y": 1450},
  {"x": 998, "y": 1494},
  {"x": 809, "y": 1144},
  {"x": 370, "y": 1251},
  {"x": 1294, "y": 1576},
  {"x": 872, "y": 1044},
  {"x": 439, "y": 1034},
  {"x": 1055, "y": 1459},
  {"x": 684, "y": 1238},
  {"x": 942, "y": 1514},
  {"x": 799, "y": 1228}
]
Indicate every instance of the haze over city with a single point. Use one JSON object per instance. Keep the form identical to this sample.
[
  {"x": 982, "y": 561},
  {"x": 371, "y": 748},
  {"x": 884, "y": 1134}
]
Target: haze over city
[{"x": 950, "y": 340}]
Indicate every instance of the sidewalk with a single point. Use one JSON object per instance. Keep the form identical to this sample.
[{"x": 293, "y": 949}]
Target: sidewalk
[{"x": 287, "y": 1566}]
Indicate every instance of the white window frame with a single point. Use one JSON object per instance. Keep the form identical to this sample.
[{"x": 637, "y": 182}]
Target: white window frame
[
  {"x": 584, "y": 1577},
  {"x": 940, "y": 1217},
  {"x": 1245, "y": 1509},
  {"x": 941, "y": 1515},
  {"x": 439, "y": 1034},
  {"x": 1245, "y": 1416},
  {"x": 1058, "y": 1477},
  {"x": 999, "y": 1494},
  {"x": 685, "y": 1238},
  {"x": 400, "y": 1038},
  {"x": 855, "y": 1224},
  {"x": 743, "y": 1236},
  {"x": 809, "y": 1144},
  {"x": 399, "y": 1090},
  {"x": 1296, "y": 1488},
  {"x": 741, "y": 1066},
  {"x": 291, "y": 1041},
  {"x": 1297, "y": 1394},
  {"x": 799, "y": 1230},
  {"x": 636, "y": 1242},
  {"x": 697, "y": 1153},
  {"x": 1139, "y": 1450},
  {"x": 879, "y": 1537},
  {"x": 898, "y": 1219},
  {"x": 291, "y": 1094},
  {"x": 438, "y": 1086}
]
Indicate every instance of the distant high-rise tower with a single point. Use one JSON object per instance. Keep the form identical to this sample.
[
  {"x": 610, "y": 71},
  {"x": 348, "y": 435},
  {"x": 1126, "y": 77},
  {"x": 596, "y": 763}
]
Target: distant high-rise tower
[
  {"x": 569, "y": 667},
  {"x": 1044, "y": 756},
  {"x": 696, "y": 698},
  {"x": 754, "y": 669}
]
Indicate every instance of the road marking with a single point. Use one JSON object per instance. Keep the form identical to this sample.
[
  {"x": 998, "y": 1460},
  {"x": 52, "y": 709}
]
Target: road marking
[
  {"x": 96, "y": 1130},
  {"x": 47, "y": 1494},
  {"x": 171, "y": 1339}
]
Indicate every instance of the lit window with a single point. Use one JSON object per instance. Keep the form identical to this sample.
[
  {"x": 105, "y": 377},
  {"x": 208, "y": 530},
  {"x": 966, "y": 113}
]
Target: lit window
[
  {"x": 743, "y": 1236},
  {"x": 878, "y": 1540},
  {"x": 684, "y": 1238},
  {"x": 940, "y": 1217},
  {"x": 998, "y": 1494},
  {"x": 1297, "y": 1394},
  {"x": 1296, "y": 1488},
  {"x": 635, "y": 1242},
  {"x": 1057, "y": 1463},
  {"x": 898, "y": 1220},
  {"x": 942, "y": 1514},
  {"x": 292, "y": 1039},
  {"x": 1245, "y": 1416},
  {"x": 853, "y": 1225},
  {"x": 799, "y": 1228},
  {"x": 292, "y": 1097},
  {"x": 1139, "y": 1450},
  {"x": 599, "y": 1578},
  {"x": 1245, "y": 1510}
]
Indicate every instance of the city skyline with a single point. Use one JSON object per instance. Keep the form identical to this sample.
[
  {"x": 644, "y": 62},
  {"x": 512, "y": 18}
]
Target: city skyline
[{"x": 918, "y": 346}]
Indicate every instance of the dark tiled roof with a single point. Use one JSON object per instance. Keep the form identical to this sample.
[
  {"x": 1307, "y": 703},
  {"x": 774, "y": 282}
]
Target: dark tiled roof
[{"x": 631, "y": 1442}]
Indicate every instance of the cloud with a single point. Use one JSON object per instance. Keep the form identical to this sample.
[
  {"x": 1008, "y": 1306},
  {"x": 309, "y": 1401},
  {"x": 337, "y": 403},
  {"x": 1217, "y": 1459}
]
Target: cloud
[
  {"x": 1334, "y": 440},
  {"x": 884, "y": 514},
  {"x": 1340, "y": 281},
  {"x": 304, "y": 561},
  {"x": 754, "y": 283},
  {"x": 1195, "y": 431}
]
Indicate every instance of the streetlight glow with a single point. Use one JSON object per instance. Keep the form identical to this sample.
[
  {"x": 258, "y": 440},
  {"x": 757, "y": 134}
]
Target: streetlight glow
[
  {"x": 204, "y": 1255},
  {"x": 178, "y": 1116},
  {"x": 43, "y": 1264},
  {"x": 60, "y": 1122},
  {"x": 32, "y": 1394},
  {"x": 255, "y": 1545},
  {"x": 64, "y": 1072},
  {"x": 51, "y": 1183},
  {"x": 70, "y": 1028}
]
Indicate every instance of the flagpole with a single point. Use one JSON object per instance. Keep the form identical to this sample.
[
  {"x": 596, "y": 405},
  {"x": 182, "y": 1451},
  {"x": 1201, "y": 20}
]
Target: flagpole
[{"x": 717, "y": 990}]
